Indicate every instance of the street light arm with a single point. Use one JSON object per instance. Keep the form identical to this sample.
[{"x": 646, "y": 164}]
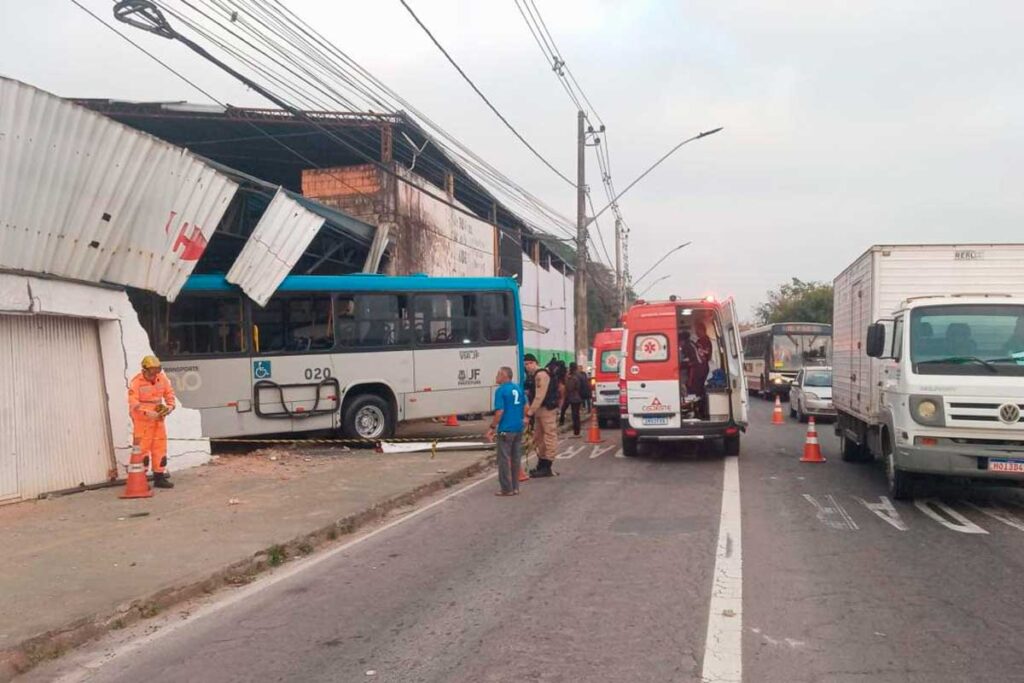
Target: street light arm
[
  {"x": 651, "y": 168},
  {"x": 659, "y": 261},
  {"x": 648, "y": 287}
]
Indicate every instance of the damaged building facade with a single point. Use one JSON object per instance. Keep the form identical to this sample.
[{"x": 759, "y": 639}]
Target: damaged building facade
[
  {"x": 107, "y": 207},
  {"x": 469, "y": 233}
]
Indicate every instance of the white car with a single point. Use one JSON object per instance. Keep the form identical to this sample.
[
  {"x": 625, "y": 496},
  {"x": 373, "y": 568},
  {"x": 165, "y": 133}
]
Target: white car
[{"x": 811, "y": 394}]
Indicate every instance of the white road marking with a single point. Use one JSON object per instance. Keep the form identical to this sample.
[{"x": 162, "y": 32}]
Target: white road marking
[
  {"x": 598, "y": 451},
  {"x": 931, "y": 506},
  {"x": 570, "y": 451},
  {"x": 618, "y": 454},
  {"x": 887, "y": 511},
  {"x": 723, "y": 645},
  {"x": 832, "y": 515},
  {"x": 998, "y": 512},
  {"x": 283, "y": 574}
]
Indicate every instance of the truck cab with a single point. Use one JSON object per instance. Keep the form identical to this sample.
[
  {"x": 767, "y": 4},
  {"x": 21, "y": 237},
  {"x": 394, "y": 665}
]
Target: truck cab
[
  {"x": 951, "y": 378},
  {"x": 681, "y": 378},
  {"x": 605, "y": 375}
]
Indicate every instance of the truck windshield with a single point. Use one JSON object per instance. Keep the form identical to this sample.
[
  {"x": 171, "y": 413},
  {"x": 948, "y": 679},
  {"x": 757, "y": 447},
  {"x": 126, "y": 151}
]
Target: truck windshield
[
  {"x": 968, "y": 339},
  {"x": 797, "y": 351}
]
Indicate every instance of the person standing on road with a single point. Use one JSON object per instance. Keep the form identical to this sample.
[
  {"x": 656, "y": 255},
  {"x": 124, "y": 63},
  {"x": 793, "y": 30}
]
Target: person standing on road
[
  {"x": 509, "y": 406},
  {"x": 575, "y": 385},
  {"x": 151, "y": 399},
  {"x": 542, "y": 394}
]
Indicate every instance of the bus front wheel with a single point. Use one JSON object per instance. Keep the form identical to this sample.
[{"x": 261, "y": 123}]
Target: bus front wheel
[{"x": 367, "y": 417}]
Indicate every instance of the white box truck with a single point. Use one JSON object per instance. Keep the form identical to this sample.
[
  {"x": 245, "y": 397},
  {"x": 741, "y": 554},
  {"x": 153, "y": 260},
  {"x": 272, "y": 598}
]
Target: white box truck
[{"x": 928, "y": 361}]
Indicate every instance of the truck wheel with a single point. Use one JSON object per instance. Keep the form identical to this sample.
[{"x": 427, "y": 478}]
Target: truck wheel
[
  {"x": 792, "y": 410},
  {"x": 901, "y": 484},
  {"x": 629, "y": 446},
  {"x": 851, "y": 451},
  {"x": 800, "y": 415},
  {"x": 602, "y": 422},
  {"x": 368, "y": 417},
  {"x": 732, "y": 444}
]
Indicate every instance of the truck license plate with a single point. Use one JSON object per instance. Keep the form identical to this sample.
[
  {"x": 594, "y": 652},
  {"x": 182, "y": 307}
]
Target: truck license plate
[
  {"x": 1006, "y": 465},
  {"x": 664, "y": 421}
]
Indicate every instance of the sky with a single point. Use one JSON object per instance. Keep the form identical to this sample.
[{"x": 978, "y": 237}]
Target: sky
[{"x": 845, "y": 124}]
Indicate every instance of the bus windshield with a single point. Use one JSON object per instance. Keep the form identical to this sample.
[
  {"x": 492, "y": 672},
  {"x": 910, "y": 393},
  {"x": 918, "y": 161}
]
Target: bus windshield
[{"x": 797, "y": 351}]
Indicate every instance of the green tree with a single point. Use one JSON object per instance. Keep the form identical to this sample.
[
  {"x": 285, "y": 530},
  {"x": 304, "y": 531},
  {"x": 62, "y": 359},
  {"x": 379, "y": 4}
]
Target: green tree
[{"x": 797, "y": 301}]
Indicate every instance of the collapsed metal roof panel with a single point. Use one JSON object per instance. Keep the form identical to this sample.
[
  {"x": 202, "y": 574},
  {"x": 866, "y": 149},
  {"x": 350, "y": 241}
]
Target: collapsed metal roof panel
[
  {"x": 85, "y": 197},
  {"x": 278, "y": 240},
  {"x": 352, "y": 227}
]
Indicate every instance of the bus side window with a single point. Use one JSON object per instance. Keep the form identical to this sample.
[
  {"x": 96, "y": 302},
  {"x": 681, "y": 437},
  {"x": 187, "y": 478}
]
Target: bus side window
[
  {"x": 496, "y": 317},
  {"x": 199, "y": 325},
  {"x": 446, "y": 319},
  {"x": 373, "y": 320},
  {"x": 295, "y": 323}
]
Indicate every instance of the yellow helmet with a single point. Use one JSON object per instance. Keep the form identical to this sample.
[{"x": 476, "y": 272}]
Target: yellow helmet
[{"x": 150, "y": 362}]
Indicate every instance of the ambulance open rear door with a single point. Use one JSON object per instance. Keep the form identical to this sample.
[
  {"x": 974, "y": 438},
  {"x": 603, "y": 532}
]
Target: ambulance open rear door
[{"x": 734, "y": 359}]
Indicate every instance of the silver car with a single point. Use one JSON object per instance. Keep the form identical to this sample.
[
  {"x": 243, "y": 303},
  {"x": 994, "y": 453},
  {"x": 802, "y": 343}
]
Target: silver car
[{"x": 811, "y": 394}]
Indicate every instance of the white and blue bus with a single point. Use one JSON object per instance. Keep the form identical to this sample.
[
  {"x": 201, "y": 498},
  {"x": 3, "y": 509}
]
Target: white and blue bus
[{"x": 353, "y": 353}]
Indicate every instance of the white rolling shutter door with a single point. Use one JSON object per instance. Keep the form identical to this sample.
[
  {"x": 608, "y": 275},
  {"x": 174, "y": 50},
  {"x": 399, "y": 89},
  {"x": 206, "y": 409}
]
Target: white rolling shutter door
[{"x": 54, "y": 428}]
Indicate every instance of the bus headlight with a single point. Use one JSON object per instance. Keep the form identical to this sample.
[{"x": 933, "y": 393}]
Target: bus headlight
[{"x": 927, "y": 410}]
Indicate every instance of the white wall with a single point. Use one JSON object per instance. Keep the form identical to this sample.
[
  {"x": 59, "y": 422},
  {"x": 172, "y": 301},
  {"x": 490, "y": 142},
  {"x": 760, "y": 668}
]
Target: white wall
[
  {"x": 546, "y": 297},
  {"x": 441, "y": 240},
  {"x": 123, "y": 343}
]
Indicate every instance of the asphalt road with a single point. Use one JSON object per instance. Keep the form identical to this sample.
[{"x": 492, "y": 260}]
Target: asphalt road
[{"x": 606, "y": 573}]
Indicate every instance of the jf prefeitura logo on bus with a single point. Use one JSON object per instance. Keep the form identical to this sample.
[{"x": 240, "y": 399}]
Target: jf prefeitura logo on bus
[{"x": 469, "y": 377}]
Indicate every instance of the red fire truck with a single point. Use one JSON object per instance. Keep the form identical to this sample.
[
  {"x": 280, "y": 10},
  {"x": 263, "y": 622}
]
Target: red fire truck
[{"x": 681, "y": 377}]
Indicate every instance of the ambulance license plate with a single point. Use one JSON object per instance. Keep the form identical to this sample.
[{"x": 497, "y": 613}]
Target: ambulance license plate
[
  {"x": 652, "y": 421},
  {"x": 1015, "y": 465}
]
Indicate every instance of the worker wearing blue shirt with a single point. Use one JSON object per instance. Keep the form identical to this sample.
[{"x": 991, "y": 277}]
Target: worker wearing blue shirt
[{"x": 509, "y": 403}]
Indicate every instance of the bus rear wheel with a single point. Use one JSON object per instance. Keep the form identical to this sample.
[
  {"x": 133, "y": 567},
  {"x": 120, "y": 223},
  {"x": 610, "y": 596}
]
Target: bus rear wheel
[{"x": 367, "y": 417}]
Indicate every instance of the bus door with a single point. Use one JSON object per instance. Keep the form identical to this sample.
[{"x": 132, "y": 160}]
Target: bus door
[
  {"x": 293, "y": 374},
  {"x": 734, "y": 359}
]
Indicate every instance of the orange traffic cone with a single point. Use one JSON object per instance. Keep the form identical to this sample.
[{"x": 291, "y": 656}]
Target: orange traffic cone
[
  {"x": 777, "y": 418},
  {"x": 812, "y": 451},
  {"x": 594, "y": 433},
  {"x": 137, "y": 486},
  {"x": 452, "y": 421}
]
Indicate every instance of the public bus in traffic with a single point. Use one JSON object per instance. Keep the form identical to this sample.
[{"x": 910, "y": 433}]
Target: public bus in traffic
[
  {"x": 604, "y": 380},
  {"x": 352, "y": 353},
  {"x": 665, "y": 394},
  {"x": 774, "y": 354}
]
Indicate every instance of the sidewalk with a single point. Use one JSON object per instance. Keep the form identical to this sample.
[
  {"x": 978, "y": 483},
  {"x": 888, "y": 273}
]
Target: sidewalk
[{"x": 78, "y": 565}]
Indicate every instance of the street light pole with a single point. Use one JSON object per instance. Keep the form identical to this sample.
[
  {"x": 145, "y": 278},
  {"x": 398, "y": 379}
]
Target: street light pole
[
  {"x": 648, "y": 287},
  {"x": 658, "y": 262}
]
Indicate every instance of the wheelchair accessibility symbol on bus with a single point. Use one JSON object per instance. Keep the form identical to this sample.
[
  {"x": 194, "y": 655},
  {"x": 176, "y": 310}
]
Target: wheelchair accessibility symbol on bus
[{"x": 261, "y": 369}]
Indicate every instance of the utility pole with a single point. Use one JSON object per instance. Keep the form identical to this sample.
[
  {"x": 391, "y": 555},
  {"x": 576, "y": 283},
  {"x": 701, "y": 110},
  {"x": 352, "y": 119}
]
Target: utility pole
[
  {"x": 580, "y": 279},
  {"x": 619, "y": 289}
]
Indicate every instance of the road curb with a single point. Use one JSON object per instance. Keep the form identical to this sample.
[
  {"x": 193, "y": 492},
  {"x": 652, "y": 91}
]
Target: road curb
[{"x": 56, "y": 642}]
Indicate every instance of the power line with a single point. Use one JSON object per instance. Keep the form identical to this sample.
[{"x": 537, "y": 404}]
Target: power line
[
  {"x": 316, "y": 45},
  {"x": 482, "y": 96},
  {"x": 214, "y": 99}
]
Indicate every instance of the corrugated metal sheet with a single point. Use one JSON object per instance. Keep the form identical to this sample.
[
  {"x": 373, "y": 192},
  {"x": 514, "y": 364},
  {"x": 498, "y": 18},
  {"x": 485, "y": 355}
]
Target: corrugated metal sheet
[
  {"x": 52, "y": 438},
  {"x": 84, "y": 197},
  {"x": 276, "y": 243}
]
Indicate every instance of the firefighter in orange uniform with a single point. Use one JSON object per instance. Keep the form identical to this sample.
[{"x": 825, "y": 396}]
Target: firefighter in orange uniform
[{"x": 151, "y": 399}]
